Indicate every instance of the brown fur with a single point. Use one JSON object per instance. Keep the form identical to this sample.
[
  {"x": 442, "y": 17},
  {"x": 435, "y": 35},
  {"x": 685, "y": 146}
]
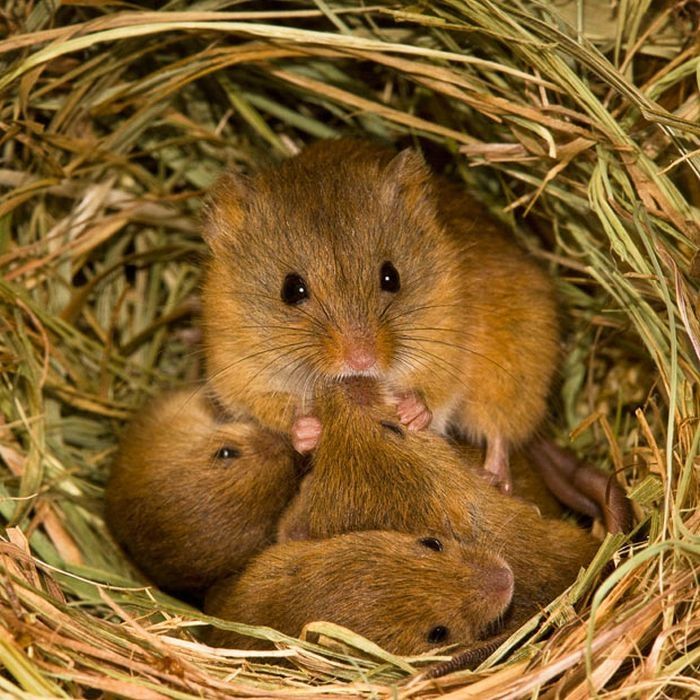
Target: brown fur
[
  {"x": 185, "y": 516},
  {"x": 384, "y": 585},
  {"x": 365, "y": 476},
  {"x": 528, "y": 484},
  {"x": 472, "y": 330}
]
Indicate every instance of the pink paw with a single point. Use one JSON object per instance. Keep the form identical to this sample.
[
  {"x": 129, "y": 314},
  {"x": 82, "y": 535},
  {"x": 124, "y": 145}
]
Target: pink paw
[
  {"x": 306, "y": 431},
  {"x": 413, "y": 413}
]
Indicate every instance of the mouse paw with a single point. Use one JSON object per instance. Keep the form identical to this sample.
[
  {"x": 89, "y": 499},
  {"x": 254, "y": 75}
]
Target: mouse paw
[
  {"x": 306, "y": 431},
  {"x": 413, "y": 413}
]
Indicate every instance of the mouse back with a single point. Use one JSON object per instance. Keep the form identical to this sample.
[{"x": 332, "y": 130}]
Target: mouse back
[{"x": 369, "y": 472}]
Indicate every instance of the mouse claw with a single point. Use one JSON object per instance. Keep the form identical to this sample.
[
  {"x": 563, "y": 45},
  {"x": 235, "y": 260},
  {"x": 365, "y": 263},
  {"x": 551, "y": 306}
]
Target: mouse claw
[
  {"x": 413, "y": 413},
  {"x": 497, "y": 465},
  {"x": 306, "y": 430},
  {"x": 503, "y": 484}
]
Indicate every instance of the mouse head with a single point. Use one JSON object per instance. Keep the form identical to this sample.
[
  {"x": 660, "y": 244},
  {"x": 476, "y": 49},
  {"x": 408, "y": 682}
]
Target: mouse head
[
  {"x": 183, "y": 437},
  {"x": 422, "y": 592},
  {"x": 331, "y": 264},
  {"x": 184, "y": 473}
]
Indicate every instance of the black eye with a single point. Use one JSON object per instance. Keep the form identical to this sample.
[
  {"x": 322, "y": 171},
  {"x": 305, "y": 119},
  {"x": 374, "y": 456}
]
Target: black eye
[
  {"x": 438, "y": 634},
  {"x": 432, "y": 543},
  {"x": 294, "y": 289},
  {"x": 389, "y": 279},
  {"x": 227, "y": 453}
]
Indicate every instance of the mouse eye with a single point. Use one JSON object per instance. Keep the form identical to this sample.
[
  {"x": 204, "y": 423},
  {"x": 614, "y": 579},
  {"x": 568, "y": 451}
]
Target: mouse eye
[
  {"x": 432, "y": 543},
  {"x": 294, "y": 289},
  {"x": 438, "y": 634},
  {"x": 227, "y": 452},
  {"x": 389, "y": 279}
]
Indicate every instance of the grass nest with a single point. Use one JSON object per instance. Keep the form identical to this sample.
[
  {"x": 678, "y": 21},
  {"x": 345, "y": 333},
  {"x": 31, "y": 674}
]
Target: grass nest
[{"x": 576, "y": 122}]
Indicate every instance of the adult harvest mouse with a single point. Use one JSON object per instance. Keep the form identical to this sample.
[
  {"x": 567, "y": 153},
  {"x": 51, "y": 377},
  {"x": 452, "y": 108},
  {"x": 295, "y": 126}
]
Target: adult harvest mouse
[
  {"x": 192, "y": 496},
  {"x": 404, "y": 592},
  {"x": 368, "y": 472},
  {"x": 347, "y": 260}
]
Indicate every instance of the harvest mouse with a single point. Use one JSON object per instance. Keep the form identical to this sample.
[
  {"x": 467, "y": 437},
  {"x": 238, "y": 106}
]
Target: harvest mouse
[
  {"x": 350, "y": 260},
  {"x": 369, "y": 472},
  {"x": 404, "y": 592},
  {"x": 192, "y": 496}
]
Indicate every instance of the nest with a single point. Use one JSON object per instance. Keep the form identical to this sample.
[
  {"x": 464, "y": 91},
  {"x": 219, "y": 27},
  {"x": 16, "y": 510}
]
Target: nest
[{"x": 577, "y": 124}]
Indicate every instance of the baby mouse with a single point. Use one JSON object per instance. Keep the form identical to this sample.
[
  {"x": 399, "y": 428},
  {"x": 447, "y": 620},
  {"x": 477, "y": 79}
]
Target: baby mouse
[
  {"x": 191, "y": 496},
  {"x": 406, "y": 593},
  {"x": 368, "y": 472},
  {"x": 350, "y": 260}
]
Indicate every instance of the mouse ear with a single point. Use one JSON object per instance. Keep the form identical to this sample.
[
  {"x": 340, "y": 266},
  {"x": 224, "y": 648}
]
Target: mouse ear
[
  {"x": 407, "y": 176},
  {"x": 225, "y": 207}
]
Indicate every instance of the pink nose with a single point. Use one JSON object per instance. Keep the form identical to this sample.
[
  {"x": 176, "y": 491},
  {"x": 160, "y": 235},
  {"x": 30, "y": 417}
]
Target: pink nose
[
  {"x": 499, "y": 579},
  {"x": 360, "y": 357}
]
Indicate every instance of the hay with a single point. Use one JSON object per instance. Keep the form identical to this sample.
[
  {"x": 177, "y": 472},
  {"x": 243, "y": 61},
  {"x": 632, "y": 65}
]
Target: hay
[{"x": 580, "y": 123}]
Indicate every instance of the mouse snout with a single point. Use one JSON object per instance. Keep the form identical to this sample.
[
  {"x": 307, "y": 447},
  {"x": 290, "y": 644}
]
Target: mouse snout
[
  {"x": 499, "y": 579},
  {"x": 360, "y": 353},
  {"x": 496, "y": 580}
]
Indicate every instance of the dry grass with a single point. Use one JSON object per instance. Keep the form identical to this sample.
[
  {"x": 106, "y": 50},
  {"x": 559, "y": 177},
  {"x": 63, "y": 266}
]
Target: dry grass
[{"x": 585, "y": 136}]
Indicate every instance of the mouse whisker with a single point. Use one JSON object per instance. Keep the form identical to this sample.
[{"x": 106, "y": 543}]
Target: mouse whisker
[
  {"x": 417, "y": 352},
  {"x": 421, "y": 307},
  {"x": 265, "y": 351},
  {"x": 410, "y": 359},
  {"x": 326, "y": 313},
  {"x": 425, "y": 307},
  {"x": 301, "y": 357},
  {"x": 285, "y": 329},
  {"x": 268, "y": 297},
  {"x": 318, "y": 324},
  {"x": 386, "y": 308},
  {"x": 289, "y": 348},
  {"x": 310, "y": 373},
  {"x": 404, "y": 363},
  {"x": 427, "y": 361},
  {"x": 302, "y": 361},
  {"x": 309, "y": 388},
  {"x": 193, "y": 395},
  {"x": 497, "y": 531},
  {"x": 408, "y": 329},
  {"x": 466, "y": 348}
]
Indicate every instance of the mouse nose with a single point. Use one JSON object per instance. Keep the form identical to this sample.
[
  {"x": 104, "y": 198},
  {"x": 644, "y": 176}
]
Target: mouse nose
[
  {"x": 495, "y": 578},
  {"x": 501, "y": 578},
  {"x": 360, "y": 357},
  {"x": 359, "y": 350}
]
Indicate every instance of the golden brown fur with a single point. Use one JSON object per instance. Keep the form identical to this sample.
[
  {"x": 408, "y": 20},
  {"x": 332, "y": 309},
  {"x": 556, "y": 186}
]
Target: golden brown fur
[
  {"x": 472, "y": 330},
  {"x": 528, "y": 484},
  {"x": 386, "y": 586},
  {"x": 185, "y": 516},
  {"x": 366, "y": 476}
]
